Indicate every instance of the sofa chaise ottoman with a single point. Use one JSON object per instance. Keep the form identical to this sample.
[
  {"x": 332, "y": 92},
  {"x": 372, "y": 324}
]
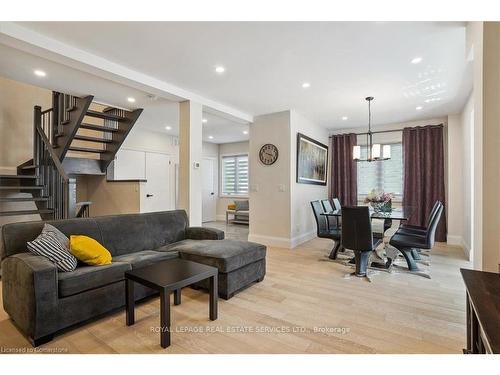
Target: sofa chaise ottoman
[
  {"x": 239, "y": 262},
  {"x": 42, "y": 300}
]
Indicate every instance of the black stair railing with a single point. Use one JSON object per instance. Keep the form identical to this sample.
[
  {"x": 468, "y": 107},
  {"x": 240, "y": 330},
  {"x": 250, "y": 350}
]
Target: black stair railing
[{"x": 57, "y": 186}]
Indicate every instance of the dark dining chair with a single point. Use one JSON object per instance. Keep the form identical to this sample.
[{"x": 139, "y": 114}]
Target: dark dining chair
[
  {"x": 333, "y": 222},
  {"x": 406, "y": 243},
  {"x": 419, "y": 230},
  {"x": 336, "y": 204},
  {"x": 357, "y": 236},
  {"x": 323, "y": 230},
  {"x": 408, "y": 229}
]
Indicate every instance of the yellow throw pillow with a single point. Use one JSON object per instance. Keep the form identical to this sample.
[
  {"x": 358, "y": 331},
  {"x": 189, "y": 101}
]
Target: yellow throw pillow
[
  {"x": 231, "y": 206},
  {"x": 89, "y": 251}
]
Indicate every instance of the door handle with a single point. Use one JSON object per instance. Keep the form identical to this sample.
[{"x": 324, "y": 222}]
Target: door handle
[
  {"x": 212, "y": 193},
  {"x": 149, "y": 195}
]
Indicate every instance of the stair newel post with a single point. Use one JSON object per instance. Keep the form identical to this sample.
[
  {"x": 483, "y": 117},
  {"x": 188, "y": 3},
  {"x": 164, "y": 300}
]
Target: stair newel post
[
  {"x": 37, "y": 120},
  {"x": 71, "y": 196}
]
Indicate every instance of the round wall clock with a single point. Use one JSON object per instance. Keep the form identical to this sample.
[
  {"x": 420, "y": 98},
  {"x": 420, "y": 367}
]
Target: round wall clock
[{"x": 268, "y": 154}]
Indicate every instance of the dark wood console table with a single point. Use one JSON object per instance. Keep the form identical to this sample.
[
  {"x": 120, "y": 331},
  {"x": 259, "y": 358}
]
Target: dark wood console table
[{"x": 483, "y": 311}]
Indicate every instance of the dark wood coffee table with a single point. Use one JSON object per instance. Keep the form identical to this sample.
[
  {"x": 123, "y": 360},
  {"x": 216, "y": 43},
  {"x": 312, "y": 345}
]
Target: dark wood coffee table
[{"x": 167, "y": 277}]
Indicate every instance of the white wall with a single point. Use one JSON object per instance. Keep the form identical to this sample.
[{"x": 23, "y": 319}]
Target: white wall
[
  {"x": 474, "y": 47},
  {"x": 455, "y": 193},
  {"x": 280, "y": 214},
  {"x": 303, "y": 225},
  {"x": 270, "y": 196},
  {"x": 467, "y": 173}
]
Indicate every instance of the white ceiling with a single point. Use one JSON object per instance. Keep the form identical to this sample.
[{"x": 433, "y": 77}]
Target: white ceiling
[
  {"x": 158, "y": 113},
  {"x": 267, "y": 62}
]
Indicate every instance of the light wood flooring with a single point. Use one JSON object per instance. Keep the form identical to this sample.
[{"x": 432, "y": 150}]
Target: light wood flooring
[{"x": 302, "y": 291}]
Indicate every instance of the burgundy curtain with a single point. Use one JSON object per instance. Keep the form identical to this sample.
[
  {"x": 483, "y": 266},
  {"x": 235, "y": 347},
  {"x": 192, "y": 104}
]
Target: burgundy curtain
[
  {"x": 424, "y": 174},
  {"x": 343, "y": 176}
]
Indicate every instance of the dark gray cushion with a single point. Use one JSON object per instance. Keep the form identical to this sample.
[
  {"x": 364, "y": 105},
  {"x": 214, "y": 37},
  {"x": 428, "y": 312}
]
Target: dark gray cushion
[
  {"x": 242, "y": 205},
  {"x": 90, "y": 277},
  {"x": 145, "y": 258},
  {"x": 124, "y": 234},
  {"x": 226, "y": 255}
]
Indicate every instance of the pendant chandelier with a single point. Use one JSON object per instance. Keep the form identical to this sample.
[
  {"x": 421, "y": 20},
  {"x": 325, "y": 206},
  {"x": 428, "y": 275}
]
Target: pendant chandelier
[{"x": 375, "y": 151}]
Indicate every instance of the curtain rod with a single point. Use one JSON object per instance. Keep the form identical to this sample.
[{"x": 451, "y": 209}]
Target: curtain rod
[{"x": 392, "y": 131}]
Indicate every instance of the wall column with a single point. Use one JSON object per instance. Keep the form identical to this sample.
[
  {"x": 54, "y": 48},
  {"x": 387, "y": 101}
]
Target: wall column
[{"x": 190, "y": 154}]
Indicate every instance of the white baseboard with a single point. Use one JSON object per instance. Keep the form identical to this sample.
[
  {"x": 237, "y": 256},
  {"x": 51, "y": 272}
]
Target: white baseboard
[
  {"x": 297, "y": 240},
  {"x": 454, "y": 240},
  {"x": 459, "y": 241},
  {"x": 283, "y": 242},
  {"x": 272, "y": 241}
]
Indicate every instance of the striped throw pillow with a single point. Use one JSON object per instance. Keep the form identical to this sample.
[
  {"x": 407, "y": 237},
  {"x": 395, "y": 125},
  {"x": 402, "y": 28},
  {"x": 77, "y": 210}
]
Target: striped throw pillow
[{"x": 49, "y": 245}]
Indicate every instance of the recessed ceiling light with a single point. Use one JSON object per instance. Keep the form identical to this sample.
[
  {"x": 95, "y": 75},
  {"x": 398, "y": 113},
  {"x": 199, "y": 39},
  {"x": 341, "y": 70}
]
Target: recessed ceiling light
[
  {"x": 419, "y": 108},
  {"x": 345, "y": 118},
  {"x": 131, "y": 100},
  {"x": 220, "y": 69},
  {"x": 204, "y": 120},
  {"x": 245, "y": 132},
  {"x": 168, "y": 127},
  {"x": 416, "y": 60},
  {"x": 40, "y": 73},
  {"x": 210, "y": 137},
  {"x": 306, "y": 85}
]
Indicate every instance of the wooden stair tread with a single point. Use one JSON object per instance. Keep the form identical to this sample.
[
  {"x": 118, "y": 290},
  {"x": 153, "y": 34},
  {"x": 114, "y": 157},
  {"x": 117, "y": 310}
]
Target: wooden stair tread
[
  {"x": 14, "y": 176},
  {"x": 25, "y": 212},
  {"x": 92, "y": 139},
  {"x": 21, "y": 187},
  {"x": 29, "y": 167},
  {"x": 85, "y": 149},
  {"x": 98, "y": 128},
  {"x": 106, "y": 116},
  {"x": 25, "y": 199}
]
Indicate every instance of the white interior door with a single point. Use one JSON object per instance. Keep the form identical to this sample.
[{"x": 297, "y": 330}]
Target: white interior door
[
  {"x": 156, "y": 191},
  {"x": 209, "y": 199}
]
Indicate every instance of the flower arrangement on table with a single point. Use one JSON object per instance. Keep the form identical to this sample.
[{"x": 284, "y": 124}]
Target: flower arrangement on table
[{"x": 380, "y": 200}]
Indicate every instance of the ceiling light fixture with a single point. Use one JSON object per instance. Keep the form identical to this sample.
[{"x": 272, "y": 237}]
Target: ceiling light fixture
[
  {"x": 374, "y": 150},
  {"x": 204, "y": 120},
  {"x": 131, "y": 100},
  {"x": 306, "y": 85},
  {"x": 419, "y": 108},
  {"x": 210, "y": 137},
  {"x": 345, "y": 118},
  {"x": 168, "y": 127},
  {"x": 40, "y": 73},
  {"x": 416, "y": 60},
  {"x": 220, "y": 69},
  {"x": 245, "y": 132}
]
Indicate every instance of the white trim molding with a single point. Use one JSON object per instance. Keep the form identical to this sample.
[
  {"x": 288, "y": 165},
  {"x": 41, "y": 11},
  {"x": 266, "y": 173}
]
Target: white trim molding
[
  {"x": 282, "y": 242},
  {"x": 455, "y": 240}
]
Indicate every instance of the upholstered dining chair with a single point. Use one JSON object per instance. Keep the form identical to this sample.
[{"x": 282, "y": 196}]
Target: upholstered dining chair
[
  {"x": 357, "y": 236},
  {"x": 406, "y": 243},
  {"x": 333, "y": 222},
  {"x": 323, "y": 230},
  {"x": 418, "y": 230}
]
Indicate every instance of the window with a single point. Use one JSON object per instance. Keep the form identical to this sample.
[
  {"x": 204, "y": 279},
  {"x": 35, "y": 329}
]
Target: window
[
  {"x": 235, "y": 175},
  {"x": 384, "y": 175}
]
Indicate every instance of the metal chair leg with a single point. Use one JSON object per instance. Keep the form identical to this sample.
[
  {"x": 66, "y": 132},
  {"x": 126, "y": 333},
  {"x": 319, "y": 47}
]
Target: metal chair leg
[{"x": 335, "y": 250}]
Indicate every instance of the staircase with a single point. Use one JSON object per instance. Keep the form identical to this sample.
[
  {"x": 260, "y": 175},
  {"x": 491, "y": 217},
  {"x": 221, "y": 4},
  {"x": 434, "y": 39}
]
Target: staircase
[{"x": 74, "y": 137}]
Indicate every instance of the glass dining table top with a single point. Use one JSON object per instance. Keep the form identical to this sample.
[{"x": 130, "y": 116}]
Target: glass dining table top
[{"x": 397, "y": 213}]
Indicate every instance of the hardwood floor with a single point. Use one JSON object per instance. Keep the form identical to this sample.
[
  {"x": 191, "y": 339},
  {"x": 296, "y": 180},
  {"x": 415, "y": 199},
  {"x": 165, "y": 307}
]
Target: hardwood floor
[{"x": 304, "y": 305}]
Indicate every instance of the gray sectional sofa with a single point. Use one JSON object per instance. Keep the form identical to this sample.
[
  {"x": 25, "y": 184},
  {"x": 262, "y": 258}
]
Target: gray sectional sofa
[{"x": 42, "y": 301}]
